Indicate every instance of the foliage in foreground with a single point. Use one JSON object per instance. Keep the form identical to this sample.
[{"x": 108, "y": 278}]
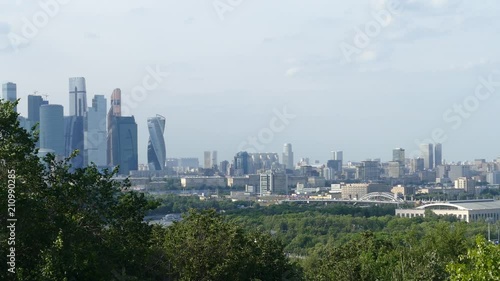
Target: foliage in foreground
[{"x": 480, "y": 263}]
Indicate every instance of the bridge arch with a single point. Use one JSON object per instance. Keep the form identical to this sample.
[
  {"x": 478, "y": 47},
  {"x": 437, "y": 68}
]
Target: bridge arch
[{"x": 382, "y": 196}]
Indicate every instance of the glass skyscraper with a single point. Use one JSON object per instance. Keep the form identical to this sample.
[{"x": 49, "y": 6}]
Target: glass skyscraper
[
  {"x": 73, "y": 139},
  {"x": 9, "y": 92},
  {"x": 427, "y": 151},
  {"x": 122, "y": 144},
  {"x": 34, "y": 104},
  {"x": 438, "y": 154},
  {"x": 122, "y": 138},
  {"x": 77, "y": 96},
  {"x": 52, "y": 128},
  {"x": 95, "y": 133},
  {"x": 156, "y": 145}
]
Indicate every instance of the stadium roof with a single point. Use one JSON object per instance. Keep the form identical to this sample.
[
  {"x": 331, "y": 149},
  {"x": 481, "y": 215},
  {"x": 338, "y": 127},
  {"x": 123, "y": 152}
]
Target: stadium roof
[{"x": 487, "y": 204}]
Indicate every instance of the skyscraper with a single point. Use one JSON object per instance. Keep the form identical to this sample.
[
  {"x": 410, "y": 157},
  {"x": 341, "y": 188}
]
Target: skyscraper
[
  {"x": 74, "y": 139},
  {"x": 338, "y": 155},
  {"x": 95, "y": 147},
  {"x": 207, "y": 164},
  {"x": 52, "y": 128},
  {"x": 438, "y": 154},
  {"x": 77, "y": 96},
  {"x": 416, "y": 165},
  {"x": 122, "y": 144},
  {"x": 157, "y": 154},
  {"x": 116, "y": 103},
  {"x": 9, "y": 92},
  {"x": 288, "y": 156},
  {"x": 214, "y": 159},
  {"x": 34, "y": 104},
  {"x": 398, "y": 155},
  {"x": 122, "y": 137},
  {"x": 242, "y": 163},
  {"x": 368, "y": 170},
  {"x": 428, "y": 155}
]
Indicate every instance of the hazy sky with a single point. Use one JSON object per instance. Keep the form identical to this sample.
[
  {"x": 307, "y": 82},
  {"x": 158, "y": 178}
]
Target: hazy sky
[{"x": 234, "y": 63}]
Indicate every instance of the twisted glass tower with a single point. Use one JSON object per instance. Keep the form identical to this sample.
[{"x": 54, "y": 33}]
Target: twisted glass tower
[{"x": 156, "y": 145}]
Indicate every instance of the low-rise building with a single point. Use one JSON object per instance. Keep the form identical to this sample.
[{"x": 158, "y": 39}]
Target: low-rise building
[
  {"x": 243, "y": 180},
  {"x": 466, "y": 210},
  {"x": 358, "y": 190},
  {"x": 197, "y": 182}
]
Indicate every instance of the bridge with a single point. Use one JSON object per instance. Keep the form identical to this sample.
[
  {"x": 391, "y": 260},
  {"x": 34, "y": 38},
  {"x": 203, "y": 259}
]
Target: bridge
[{"x": 370, "y": 198}]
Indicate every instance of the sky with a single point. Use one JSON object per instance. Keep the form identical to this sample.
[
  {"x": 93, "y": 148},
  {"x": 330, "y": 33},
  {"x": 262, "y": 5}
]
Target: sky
[{"x": 359, "y": 76}]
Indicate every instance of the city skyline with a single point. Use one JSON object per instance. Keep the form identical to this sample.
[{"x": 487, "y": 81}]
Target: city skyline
[
  {"x": 434, "y": 149},
  {"x": 431, "y": 153}
]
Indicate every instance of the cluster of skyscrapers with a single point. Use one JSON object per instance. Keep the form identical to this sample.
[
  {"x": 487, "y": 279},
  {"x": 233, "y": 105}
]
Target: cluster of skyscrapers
[
  {"x": 109, "y": 139},
  {"x": 105, "y": 138}
]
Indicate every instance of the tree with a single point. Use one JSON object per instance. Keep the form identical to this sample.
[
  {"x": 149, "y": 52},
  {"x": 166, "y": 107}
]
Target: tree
[
  {"x": 72, "y": 224},
  {"x": 480, "y": 263},
  {"x": 203, "y": 246}
]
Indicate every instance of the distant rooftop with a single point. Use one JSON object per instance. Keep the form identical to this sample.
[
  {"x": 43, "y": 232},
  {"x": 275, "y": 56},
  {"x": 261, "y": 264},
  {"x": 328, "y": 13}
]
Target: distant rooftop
[{"x": 485, "y": 204}]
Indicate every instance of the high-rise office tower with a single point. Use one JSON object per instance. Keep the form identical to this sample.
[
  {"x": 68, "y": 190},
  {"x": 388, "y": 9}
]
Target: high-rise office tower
[
  {"x": 9, "y": 92},
  {"x": 338, "y": 155},
  {"x": 157, "y": 153},
  {"x": 52, "y": 128},
  {"x": 74, "y": 139},
  {"x": 288, "y": 156},
  {"x": 223, "y": 167},
  {"x": 114, "y": 111},
  {"x": 122, "y": 138},
  {"x": 95, "y": 134},
  {"x": 207, "y": 163},
  {"x": 34, "y": 104},
  {"x": 116, "y": 103},
  {"x": 77, "y": 96},
  {"x": 438, "y": 154},
  {"x": 242, "y": 163},
  {"x": 369, "y": 170},
  {"x": 398, "y": 155},
  {"x": 428, "y": 155},
  {"x": 214, "y": 159},
  {"x": 416, "y": 165}
]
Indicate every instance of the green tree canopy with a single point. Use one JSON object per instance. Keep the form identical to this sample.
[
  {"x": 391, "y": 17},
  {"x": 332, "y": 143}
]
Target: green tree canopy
[
  {"x": 204, "y": 246},
  {"x": 480, "y": 263}
]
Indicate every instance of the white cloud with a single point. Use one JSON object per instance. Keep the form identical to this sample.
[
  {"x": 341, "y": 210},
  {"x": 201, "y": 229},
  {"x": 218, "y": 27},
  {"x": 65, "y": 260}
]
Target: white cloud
[
  {"x": 292, "y": 71},
  {"x": 367, "y": 55}
]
